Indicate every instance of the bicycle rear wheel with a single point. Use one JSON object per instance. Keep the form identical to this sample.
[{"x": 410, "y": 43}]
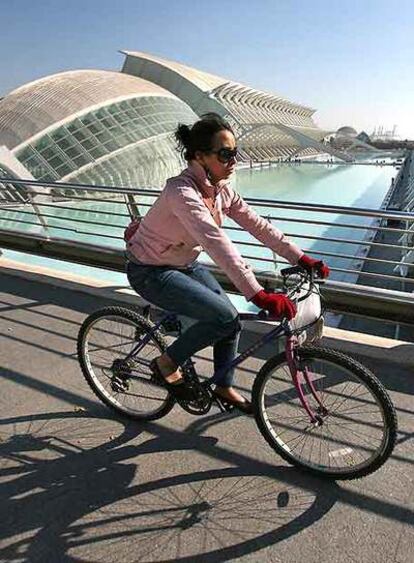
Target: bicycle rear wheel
[
  {"x": 105, "y": 340},
  {"x": 356, "y": 429}
]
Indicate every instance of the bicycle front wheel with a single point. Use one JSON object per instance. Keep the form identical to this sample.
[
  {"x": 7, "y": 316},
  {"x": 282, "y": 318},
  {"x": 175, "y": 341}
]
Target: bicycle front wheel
[
  {"x": 356, "y": 425},
  {"x": 105, "y": 342}
]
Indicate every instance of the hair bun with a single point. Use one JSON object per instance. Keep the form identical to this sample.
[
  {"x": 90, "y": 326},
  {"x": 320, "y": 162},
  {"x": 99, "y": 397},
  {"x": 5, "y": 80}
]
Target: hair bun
[{"x": 183, "y": 135}]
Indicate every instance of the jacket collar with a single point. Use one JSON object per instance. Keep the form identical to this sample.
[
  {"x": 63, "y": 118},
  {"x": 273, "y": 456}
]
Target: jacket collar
[{"x": 198, "y": 174}]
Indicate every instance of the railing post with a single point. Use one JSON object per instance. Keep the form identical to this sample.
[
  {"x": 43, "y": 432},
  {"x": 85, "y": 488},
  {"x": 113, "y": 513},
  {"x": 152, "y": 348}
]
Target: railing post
[
  {"x": 132, "y": 206},
  {"x": 38, "y": 214}
]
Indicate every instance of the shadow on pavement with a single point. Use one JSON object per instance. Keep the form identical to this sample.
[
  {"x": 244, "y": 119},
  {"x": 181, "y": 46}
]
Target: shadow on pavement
[
  {"x": 66, "y": 497},
  {"x": 74, "y": 489}
]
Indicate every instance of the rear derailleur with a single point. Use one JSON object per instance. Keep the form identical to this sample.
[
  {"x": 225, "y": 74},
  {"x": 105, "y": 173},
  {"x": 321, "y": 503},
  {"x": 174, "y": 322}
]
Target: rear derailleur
[{"x": 121, "y": 373}]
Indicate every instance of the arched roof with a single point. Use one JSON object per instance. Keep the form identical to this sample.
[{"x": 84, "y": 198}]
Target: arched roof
[
  {"x": 31, "y": 108},
  {"x": 203, "y": 91},
  {"x": 347, "y": 131},
  {"x": 203, "y": 80}
]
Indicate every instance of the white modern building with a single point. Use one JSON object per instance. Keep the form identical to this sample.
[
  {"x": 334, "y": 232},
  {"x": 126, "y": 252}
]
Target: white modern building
[
  {"x": 268, "y": 126},
  {"x": 117, "y": 128},
  {"x": 92, "y": 127}
]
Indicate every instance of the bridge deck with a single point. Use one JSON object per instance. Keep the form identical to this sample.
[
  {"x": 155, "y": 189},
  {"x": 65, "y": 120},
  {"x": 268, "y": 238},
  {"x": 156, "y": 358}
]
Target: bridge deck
[{"x": 79, "y": 484}]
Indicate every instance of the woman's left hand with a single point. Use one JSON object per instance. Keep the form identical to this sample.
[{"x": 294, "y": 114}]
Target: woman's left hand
[{"x": 310, "y": 264}]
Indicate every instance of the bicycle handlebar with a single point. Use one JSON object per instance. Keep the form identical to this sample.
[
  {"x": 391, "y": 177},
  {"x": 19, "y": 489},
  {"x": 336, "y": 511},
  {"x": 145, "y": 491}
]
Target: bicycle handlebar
[
  {"x": 305, "y": 276},
  {"x": 295, "y": 270},
  {"x": 285, "y": 272}
]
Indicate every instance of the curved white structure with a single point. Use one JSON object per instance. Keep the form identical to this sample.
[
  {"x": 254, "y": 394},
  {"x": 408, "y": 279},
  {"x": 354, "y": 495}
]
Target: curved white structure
[
  {"x": 268, "y": 126},
  {"x": 94, "y": 127}
]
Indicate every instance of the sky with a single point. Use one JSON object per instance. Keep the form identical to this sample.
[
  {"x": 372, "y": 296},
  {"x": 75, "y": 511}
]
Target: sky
[{"x": 352, "y": 61}]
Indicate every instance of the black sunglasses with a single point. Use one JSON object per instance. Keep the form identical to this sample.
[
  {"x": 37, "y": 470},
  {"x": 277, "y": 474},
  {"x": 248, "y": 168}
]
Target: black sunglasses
[{"x": 225, "y": 154}]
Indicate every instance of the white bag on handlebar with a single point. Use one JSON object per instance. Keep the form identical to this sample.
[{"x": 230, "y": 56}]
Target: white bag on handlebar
[{"x": 309, "y": 315}]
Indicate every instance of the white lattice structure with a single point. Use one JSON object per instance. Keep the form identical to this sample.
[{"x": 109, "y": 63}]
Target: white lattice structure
[
  {"x": 268, "y": 126},
  {"x": 93, "y": 127}
]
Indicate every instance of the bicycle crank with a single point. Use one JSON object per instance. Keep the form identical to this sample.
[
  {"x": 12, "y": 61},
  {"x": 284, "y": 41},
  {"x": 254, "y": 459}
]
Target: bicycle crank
[{"x": 201, "y": 404}]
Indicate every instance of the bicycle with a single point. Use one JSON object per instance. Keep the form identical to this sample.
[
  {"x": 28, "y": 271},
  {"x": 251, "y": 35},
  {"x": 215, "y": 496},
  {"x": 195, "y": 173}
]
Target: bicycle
[{"x": 318, "y": 408}]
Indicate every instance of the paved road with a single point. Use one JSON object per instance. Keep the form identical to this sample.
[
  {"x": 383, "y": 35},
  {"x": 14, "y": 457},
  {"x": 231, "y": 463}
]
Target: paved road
[{"x": 79, "y": 485}]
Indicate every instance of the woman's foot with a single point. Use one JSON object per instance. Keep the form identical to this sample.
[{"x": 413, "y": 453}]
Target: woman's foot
[
  {"x": 168, "y": 369},
  {"x": 229, "y": 393},
  {"x": 166, "y": 373},
  {"x": 234, "y": 398}
]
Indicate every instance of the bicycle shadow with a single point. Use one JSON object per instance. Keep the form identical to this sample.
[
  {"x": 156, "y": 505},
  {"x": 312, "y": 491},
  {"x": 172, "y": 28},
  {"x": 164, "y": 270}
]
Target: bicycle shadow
[{"x": 68, "y": 492}]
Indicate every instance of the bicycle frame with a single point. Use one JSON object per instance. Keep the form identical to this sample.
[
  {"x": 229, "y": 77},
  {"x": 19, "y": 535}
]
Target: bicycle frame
[
  {"x": 281, "y": 330},
  {"x": 275, "y": 333},
  {"x": 291, "y": 344}
]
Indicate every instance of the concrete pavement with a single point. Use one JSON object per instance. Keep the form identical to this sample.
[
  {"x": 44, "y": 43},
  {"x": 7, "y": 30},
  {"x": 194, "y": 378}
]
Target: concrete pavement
[{"x": 78, "y": 484}]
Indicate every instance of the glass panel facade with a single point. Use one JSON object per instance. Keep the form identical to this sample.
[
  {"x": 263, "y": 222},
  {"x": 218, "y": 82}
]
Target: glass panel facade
[
  {"x": 104, "y": 131},
  {"x": 11, "y": 193},
  {"x": 146, "y": 165}
]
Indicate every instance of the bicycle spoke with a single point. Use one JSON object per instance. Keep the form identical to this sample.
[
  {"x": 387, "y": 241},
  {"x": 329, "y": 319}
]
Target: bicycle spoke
[
  {"x": 125, "y": 384},
  {"x": 349, "y": 429}
]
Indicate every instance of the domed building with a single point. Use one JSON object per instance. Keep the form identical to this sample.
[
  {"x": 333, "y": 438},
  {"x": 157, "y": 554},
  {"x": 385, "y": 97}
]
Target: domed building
[
  {"x": 92, "y": 127},
  {"x": 99, "y": 127},
  {"x": 347, "y": 139},
  {"x": 346, "y": 131}
]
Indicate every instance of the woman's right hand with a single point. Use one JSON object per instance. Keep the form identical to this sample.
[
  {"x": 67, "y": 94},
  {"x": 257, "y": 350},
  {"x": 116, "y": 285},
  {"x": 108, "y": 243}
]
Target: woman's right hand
[{"x": 277, "y": 304}]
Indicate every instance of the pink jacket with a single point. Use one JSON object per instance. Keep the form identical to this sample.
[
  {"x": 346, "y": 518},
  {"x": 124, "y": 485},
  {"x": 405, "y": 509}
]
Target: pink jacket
[{"x": 179, "y": 226}]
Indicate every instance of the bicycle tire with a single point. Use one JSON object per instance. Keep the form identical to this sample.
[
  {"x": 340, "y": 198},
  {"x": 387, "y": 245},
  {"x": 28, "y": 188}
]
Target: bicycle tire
[
  {"x": 139, "y": 323},
  {"x": 367, "y": 380}
]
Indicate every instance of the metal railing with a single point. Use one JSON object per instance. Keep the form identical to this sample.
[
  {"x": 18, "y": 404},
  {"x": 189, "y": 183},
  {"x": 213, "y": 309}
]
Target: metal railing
[{"x": 87, "y": 228}]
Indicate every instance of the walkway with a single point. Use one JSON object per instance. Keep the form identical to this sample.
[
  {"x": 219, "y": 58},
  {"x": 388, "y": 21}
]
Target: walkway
[{"x": 79, "y": 485}]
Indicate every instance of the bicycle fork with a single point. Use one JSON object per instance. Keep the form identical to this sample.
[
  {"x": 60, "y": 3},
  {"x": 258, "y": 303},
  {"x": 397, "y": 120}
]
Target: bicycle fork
[{"x": 291, "y": 347}]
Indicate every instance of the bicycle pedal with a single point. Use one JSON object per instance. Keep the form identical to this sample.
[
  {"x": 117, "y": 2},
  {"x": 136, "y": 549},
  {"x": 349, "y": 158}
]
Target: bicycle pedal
[{"x": 224, "y": 406}]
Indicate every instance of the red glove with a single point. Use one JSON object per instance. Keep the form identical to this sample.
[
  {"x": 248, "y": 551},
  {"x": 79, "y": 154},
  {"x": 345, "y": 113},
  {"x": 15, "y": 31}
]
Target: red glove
[
  {"x": 277, "y": 304},
  {"x": 310, "y": 264}
]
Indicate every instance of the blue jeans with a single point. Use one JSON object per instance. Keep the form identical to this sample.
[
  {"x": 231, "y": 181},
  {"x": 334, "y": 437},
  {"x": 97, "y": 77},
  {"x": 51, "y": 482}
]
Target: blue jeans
[{"x": 195, "y": 293}]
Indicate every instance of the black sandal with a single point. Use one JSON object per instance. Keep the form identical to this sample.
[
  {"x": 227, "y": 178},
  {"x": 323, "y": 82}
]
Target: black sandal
[
  {"x": 244, "y": 406},
  {"x": 179, "y": 389}
]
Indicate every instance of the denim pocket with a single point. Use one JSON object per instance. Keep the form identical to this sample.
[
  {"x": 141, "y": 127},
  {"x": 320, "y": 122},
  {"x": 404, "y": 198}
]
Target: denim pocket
[
  {"x": 139, "y": 276},
  {"x": 149, "y": 281}
]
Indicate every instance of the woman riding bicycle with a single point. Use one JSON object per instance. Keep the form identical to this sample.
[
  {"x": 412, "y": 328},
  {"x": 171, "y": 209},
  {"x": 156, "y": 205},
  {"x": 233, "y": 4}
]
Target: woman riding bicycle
[{"x": 186, "y": 219}]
